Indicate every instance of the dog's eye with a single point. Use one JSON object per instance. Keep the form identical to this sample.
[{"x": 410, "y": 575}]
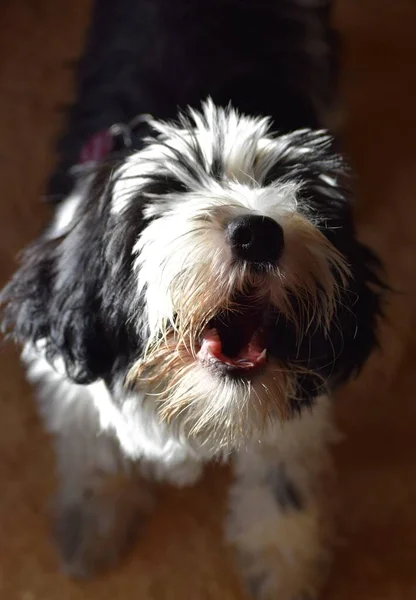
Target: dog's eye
[{"x": 162, "y": 185}]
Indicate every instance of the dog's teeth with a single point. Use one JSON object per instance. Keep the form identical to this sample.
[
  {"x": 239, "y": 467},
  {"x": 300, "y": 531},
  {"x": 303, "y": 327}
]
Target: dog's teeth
[{"x": 262, "y": 355}]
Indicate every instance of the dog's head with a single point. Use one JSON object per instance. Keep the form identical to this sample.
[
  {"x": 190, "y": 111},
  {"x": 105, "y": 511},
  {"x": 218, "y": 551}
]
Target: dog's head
[{"x": 216, "y": 270}]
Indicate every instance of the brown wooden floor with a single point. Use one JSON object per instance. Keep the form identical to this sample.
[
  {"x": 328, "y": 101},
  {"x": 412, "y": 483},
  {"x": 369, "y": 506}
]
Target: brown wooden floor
[{"x": 179, "y": 556}]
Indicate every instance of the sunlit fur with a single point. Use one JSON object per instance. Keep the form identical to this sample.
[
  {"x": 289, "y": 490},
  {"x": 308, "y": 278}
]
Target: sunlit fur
[
  {"x": 216, "y": 414},
  {"x": 187, "y": 274}
]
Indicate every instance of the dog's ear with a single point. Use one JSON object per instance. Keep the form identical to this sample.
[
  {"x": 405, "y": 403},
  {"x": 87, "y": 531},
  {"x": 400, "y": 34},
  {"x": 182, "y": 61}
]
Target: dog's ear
[{"x": 73, "y": 294}]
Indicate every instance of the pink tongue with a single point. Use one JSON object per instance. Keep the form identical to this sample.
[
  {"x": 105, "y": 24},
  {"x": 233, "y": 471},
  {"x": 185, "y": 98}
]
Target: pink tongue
[{"x": 249, "y": 356}]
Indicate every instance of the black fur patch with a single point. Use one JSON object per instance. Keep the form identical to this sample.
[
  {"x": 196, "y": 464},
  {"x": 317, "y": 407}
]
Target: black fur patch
[
  {"x": 159, "y": 56},
  {"x": 287, "y": 496},
  {"x": 77, "y": 292}
]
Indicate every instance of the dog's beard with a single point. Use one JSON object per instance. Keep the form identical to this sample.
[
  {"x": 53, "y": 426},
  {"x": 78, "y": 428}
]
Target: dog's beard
[
  {"x": 215, "y": 412},
  {"x": 219, "y": 392}
]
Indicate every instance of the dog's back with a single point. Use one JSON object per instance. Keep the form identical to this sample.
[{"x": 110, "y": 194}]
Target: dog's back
[{"x": 265, "y": 57}]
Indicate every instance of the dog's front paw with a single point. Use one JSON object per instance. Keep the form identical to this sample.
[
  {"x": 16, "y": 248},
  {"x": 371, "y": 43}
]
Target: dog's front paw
[
  {"x": 94, "y": 530},
  {"x": 282, "y": 554},
  {"x": 87, "y": 539}
]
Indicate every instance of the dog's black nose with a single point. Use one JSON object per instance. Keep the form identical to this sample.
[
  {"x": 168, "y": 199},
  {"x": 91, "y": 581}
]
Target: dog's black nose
[{"x": 255, "y": 238}]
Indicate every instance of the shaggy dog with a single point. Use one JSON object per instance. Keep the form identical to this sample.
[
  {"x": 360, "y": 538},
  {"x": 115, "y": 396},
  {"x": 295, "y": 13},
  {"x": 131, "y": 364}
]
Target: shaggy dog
[{"x": 200, "y": 297}]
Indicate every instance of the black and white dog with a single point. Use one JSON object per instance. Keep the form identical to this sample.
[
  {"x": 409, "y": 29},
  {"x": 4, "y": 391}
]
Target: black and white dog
[{"x": 200, "y": 298}]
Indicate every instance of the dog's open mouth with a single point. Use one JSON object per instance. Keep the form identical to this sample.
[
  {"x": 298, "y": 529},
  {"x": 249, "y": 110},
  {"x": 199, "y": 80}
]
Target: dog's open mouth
[{"x": 235, "y": 339}]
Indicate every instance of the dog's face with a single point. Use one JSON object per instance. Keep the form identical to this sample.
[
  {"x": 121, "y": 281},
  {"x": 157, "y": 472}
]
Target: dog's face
[{"x": 222, "y": 274}]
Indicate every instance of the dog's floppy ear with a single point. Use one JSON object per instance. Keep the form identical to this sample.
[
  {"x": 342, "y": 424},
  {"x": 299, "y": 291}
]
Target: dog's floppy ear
[{"x": 72, "y": 293}]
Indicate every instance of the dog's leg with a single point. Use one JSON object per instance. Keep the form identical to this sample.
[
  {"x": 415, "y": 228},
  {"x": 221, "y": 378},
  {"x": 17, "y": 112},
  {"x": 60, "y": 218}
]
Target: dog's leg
[
  {"x": 280, "y": 521},
  {"x": 100, "y": 500},
  {"x": 100, "y": 494},
  {"x": 97, "y": 518}
]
